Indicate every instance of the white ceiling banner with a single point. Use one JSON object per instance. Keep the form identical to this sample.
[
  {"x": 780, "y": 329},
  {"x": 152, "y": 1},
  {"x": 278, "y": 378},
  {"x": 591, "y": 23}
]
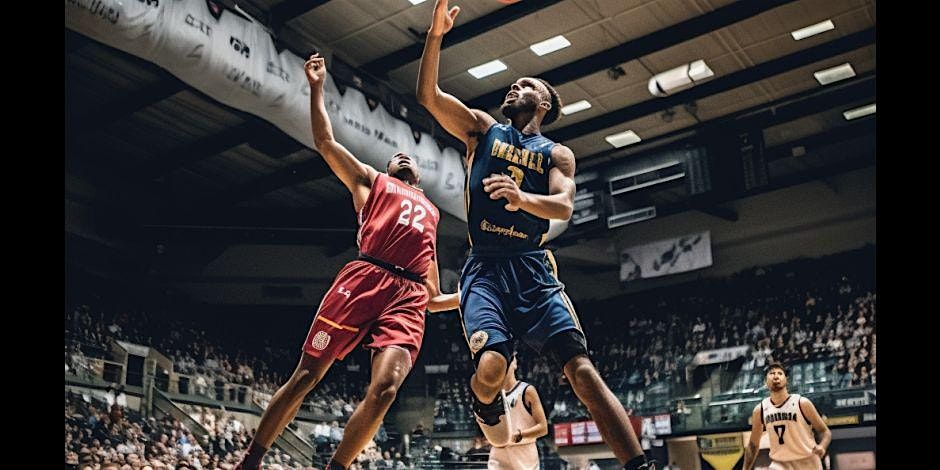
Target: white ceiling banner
[{"x": 234, "y": 61}]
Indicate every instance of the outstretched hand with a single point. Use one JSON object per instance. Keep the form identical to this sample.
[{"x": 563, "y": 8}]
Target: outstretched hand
[
  {"x": 315, "y": 68},
  {"x": 443, "y": 19}
]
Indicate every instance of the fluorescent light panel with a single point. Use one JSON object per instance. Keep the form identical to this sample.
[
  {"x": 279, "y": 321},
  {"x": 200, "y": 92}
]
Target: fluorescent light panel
[
  {"x": 835, "y": 74},
  {"x": 813, "y": 30},
  {"x": 859, "y": 112},
  {"x": 622, "y": 139},
  {"x": 487, "y": 69},
  {"x": 550, "y": 45},
  {"x": 575, "y": 107}
]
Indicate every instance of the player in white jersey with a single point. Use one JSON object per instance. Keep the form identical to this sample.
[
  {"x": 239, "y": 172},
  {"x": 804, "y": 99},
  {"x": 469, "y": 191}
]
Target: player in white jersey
[
  {"x": 789, "y": 420},
  {"x": 527, "y": 418}
]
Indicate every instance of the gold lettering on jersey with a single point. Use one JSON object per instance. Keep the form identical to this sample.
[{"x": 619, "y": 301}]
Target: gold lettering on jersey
[
  {"x": 486, "y": 226},
  {"x": 522, "y": 157}
]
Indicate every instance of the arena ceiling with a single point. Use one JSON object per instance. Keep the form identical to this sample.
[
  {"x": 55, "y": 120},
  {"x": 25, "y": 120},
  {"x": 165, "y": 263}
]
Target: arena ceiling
[{"x": 162, "y": 163}]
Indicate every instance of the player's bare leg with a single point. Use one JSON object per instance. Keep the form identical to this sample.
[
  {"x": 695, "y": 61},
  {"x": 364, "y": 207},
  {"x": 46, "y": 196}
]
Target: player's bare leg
[
  {"x": 390, "y": 367},
  {"x": 612, "y": 420},
  {"x": 283, "y": 407}
]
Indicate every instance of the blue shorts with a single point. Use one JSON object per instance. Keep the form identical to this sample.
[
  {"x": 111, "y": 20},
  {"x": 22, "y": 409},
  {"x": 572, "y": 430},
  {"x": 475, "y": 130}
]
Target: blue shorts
[{"x": 511, "y": 297}]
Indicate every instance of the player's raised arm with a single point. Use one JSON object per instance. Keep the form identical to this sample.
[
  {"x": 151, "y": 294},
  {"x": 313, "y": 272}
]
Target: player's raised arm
[
  {"x": 357, "y": 176},
  {"x": 459, "y": 120}
]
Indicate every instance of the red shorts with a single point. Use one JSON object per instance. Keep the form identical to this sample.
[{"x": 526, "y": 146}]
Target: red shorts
[{"x": 366, "y": 300}]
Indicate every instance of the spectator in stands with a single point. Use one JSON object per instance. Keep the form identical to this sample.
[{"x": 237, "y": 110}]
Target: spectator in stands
[{"x": 336, "y": 432}]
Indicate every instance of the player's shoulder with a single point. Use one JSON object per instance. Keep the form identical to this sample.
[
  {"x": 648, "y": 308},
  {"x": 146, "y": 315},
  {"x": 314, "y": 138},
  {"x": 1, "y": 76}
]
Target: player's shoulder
[
  {"x": 484, "y": 120},
  {"x": 563, "y": 158},
  {"x": 561, "y": 150}
]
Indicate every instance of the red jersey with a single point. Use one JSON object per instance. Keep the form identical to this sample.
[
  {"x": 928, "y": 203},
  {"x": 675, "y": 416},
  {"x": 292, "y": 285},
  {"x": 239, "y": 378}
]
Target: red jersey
[{"x": 398, "y": 225}]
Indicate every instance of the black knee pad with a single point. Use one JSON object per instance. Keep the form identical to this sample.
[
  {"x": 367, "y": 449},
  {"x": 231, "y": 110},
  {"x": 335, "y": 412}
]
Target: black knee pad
[
  {"x": 563, "y": 346},
  {"x": 504, "y": 348},
  {"x": 489, "y": 414}
]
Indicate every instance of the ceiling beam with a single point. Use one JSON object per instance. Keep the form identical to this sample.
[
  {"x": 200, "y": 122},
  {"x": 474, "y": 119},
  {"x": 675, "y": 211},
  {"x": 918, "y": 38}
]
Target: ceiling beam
[
  {"x": 285, "y": 11},
  {"x": 778, "y": 111},
  {"x": 200, "y": 149},
  {"x": 330, "y": 226},
  {"x": 277, "y": 218},
  {"x": 252, "y": 129},
  {"x": 704, "y": 202},
  {"x": 642, "y": 46},
  {"x": 380, "y": 67},
  {"x": 719, "y": 85},
  {"x": 126, "y": 105},
  {"x": 245, "y": 279},
  {"x": 863, "y": 157},
  {"x": 862, "y": 127},
  {"x": 312, "y": 169},
  {"x": 75, "y": 41},
  {"x": 720, "y": 212},
  {"x": 264, "y": 137}
]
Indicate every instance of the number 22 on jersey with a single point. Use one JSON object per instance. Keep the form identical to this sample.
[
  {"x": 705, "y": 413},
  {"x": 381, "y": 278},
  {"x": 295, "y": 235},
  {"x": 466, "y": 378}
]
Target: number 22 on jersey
[{"x": 411, "y": 214}]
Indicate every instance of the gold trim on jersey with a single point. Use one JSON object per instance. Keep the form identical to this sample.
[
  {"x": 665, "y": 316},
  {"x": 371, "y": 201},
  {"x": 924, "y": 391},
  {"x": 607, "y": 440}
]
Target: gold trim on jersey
[
  {"x": 337, "y": 325},
  {"x": 460, "y": 314},
  {"x": 564, "y": 296},
  {"x": 466, "y": 198}
]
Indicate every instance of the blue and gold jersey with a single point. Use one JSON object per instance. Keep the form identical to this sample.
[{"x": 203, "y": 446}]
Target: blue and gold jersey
[{"x": 525, "y": 158}]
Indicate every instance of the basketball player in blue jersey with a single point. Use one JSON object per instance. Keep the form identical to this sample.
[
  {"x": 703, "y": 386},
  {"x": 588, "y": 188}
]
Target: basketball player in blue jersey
[{"x": 516, "y": 181}]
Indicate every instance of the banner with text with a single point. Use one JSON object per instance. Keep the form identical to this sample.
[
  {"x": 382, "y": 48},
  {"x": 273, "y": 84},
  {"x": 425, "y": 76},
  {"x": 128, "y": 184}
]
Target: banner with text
[{"x": 234, "y": 60}]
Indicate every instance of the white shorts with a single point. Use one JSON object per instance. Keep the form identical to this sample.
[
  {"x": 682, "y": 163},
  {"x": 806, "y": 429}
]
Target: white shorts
[
  {"x": 809, "y": 463},
  {"x": 520, "y": 457}
]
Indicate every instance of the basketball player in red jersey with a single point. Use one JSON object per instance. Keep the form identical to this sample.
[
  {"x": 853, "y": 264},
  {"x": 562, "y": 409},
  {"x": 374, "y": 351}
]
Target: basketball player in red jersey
[{"x": 381, "y": 296}]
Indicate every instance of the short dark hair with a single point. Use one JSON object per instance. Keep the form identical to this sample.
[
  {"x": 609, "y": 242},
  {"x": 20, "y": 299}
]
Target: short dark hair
[
  {"x": 776, "y": 365},
  {"x": 552, "y": 114},
  {"x": 389, "y": 162}
]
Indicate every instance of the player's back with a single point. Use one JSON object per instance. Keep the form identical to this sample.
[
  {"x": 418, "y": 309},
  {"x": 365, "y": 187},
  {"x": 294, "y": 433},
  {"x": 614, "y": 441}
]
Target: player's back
[
  {"x": 398, "y": 225},
  {"x": 789, "y": 431},
  {"x": 525, "y": 158}
]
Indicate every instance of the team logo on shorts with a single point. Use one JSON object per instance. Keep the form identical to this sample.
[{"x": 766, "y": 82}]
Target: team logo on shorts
[
  {"x": 320, "y": 340},
  {"x": 478, "y": 340}
]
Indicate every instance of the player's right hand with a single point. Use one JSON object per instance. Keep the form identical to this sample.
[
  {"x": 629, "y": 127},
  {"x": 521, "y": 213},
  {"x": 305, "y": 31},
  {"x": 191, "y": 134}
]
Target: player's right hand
[
  {"x": 818, "y": 450},
  {"x": 315, "y": 68},
  {"x": 443, "y": 20}
]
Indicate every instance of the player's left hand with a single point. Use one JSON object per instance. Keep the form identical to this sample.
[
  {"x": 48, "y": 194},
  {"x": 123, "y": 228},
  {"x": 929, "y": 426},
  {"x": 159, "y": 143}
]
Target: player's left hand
[
  {"x": 503, "y": 186},
  {"x": 818, "y": 450}
]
